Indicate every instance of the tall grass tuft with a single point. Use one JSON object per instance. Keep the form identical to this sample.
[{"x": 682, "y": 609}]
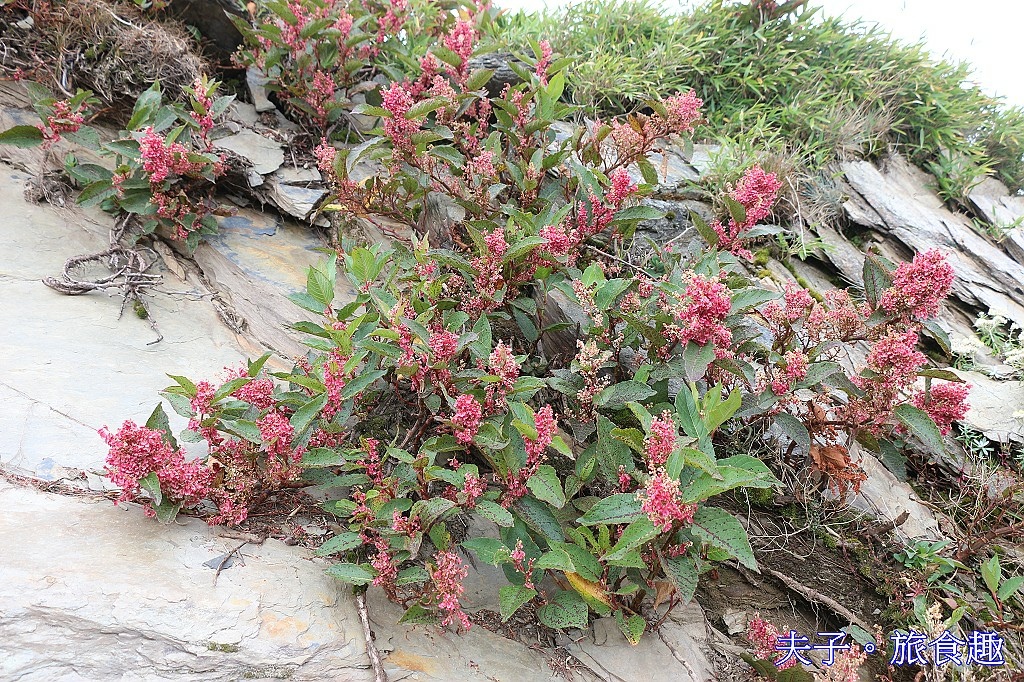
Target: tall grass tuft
[{"x": 833, "y": 88}]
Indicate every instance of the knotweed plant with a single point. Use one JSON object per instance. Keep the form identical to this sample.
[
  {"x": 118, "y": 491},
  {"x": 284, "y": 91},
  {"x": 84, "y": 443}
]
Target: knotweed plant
[{"x": 434, "y": 393}]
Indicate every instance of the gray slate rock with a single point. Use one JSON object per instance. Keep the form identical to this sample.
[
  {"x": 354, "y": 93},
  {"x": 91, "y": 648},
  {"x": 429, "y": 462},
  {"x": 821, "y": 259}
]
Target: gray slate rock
[
  {"x": 92, "y": 592},
  {"x": 992, "y": 405},
  {"x": 70, "y": 365},
  {"x": 993, "y": 201},
  {"x": 898, "y": 203},
  {"x": 263, "y": 154},
  {"x": 671, "y": 654}
]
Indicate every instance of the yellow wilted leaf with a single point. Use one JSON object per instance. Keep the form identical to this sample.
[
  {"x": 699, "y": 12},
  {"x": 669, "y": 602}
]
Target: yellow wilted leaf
[{"x": 590, "y": 591}]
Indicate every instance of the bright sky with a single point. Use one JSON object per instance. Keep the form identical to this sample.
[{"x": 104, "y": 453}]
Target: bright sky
[{"x": 985, "y": 33}]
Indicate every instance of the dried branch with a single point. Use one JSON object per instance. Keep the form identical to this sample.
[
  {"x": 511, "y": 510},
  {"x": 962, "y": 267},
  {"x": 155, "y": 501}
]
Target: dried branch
[{"x": 379, "y": 674}]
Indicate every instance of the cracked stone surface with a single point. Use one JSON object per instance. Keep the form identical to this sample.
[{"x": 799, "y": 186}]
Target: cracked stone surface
[
  {"x": 263, "y": 154},
  {"x": 131, "y": 599},
  {"x": 993, "y": 404},
  {"x": 70, "y": 364},
  {"x": 671, "y": 654},
  {"x": 897, "y": 202}
]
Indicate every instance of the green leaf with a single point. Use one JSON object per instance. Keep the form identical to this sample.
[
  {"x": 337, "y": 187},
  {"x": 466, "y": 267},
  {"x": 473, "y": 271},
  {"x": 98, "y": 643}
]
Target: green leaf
[
  {"x": 640, "y": 212},
  {"x": 696, "y": 360},
  {"x": 321, "y": 457},
  {"x": 354, "y": 574},
  {"x": 158, "y": 422},
  {"x": 617, "y": 508},
  {"x": 546, "y": 486},
  {"x": 921, "y": 425},
  {"x": 992, "y": 574},
  {"x": 411, "y": 575},
  {"x": 342, "y": 542},
  {"x": 817, "y": 372},
  {"x": 876, "y": 279},
  {"x": 244, "y": 428},
  {"x": 539, "y": 518},
  {"x": 305, "y": 415},
  {"x": 566, "y": 610},
  {"x": 166, "y": 511},
  {"x": 511, "y": 598},
  {"x": 632, "y": 627},
  {"x": 495, "y": 512},
  {"x": 682, "y": 572},
  {"x": 1010, "y": 587},
  {"x": 944, "y": 374},
  {"x": 736, "y": 210},
  {"x": 724, "y": 410},
  {"x": 95, "y": 193},
  {"x": 151, "y": 484},
  {"x": 744, "y": 299},
  {"x": 635, "y": 535},
  {"x": 431, "y": 510},
  {"x": 796, "y": 674},
  {"x": 22, "y": 136},
  {"x": 478, "y": 79},
  {"x": 720, "y": 529},
  {"x": 631, "y": 437},
  {"x": 490, "y": 550},
  {"x": 417, "y": 614},
  {"x": 617, "y": 395},
  {"x": 705, "y": 231},
  {"x": 894, "y": 460},
  {"x": 795, "y": 430},
  {"x": 936, "y": 331}
]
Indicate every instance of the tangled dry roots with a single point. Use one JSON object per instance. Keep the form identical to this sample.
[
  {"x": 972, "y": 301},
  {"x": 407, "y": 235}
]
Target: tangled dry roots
[{"x": 112, "y": 49}]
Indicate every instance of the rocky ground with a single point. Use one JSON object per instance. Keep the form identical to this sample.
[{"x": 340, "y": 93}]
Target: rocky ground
[{"x": 90, "y": 591}]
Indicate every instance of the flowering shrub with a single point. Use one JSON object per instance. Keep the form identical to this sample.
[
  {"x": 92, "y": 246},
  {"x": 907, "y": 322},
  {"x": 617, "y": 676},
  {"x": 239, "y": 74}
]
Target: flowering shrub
[
  {"x": 58, "y": 118},
  {"x": 319, "y": 54},
  {"x": 165, "y": 167},
  {"x": 437, "y": 392}
]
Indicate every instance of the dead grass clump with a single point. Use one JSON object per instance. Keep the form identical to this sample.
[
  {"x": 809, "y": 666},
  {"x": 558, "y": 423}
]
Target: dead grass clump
[{"x": 111, "y": 49}]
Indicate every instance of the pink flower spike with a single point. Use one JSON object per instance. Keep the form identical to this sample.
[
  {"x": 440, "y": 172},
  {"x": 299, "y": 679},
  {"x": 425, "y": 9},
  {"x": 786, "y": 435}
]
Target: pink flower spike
[{"x": 466, "y": 419}]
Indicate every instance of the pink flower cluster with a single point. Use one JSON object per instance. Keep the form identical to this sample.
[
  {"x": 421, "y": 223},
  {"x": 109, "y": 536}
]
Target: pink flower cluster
[
  {"x": 700, "y": 316},
  {"x": 756, "y": 192},
  {"x": 203, "y": 103},
  {"x": 335, "y": 379},
  {"x": 137, "y": 451},
  {"x": 259, "y": 392},
  {"x": 546, "y": 427},
  {"x": 796, "y": 302},
  {"x": 466, "y": 420},
  {"x": 662, "y": 501},
  {"x": 918, "y": 287},
  {"x": 592, "y": 217},
  {"x": 161, "y": 159},
  {"x": 384, "y": 563},
  {"x": 683, "y": 112},
  {"x": 662, "y": 441},
  {"x": 325, "y": 154},
  {"x": 522, "y": 566},
  {"x": 895, "y": 357},
  {"x": 765, "y": 638},
  {"x": 62, "y": 120},
  {"x": 461, "y": 41},
  {"x": 541, "y": 68},
  {"x": 946, "y": 404},
  {"x": 443, "y": 345},
  {"x": 502, "y": 364},
  {"x": 447, "y": 576},
  {"x": 795, "y": 369},
  {"x": 398, "y": 100},
  {"x": 638, "y": 136}
]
